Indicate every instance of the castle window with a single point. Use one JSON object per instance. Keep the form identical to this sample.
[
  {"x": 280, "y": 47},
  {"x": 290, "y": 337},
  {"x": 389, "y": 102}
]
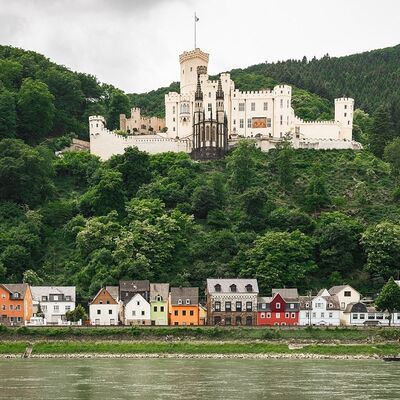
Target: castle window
[
  {"x": 207, "y": 133},
  {"x": 281, "y": 103},
  {"x": 173, "y": 109},
  {"x": 241, "y": 106},
  {"x": 265, "y": 106},
  {"x": 281, "y": 120},
  {"x": 241, "y": 123},
  {"x": 348, "y": 122},
  {"x": 209, "y": 107},
  {"x": 234, "y": 122},
  {"x": 345, "y": 106},
  {"x": 249, "y": 122},
  {"x": 287, "y": 120},
  {"x": 345, "y": 114},
  {"x": 97, "y": 125},
  {"x": 268, "y": 122},
  {"x": 209, "y": 94},
  {"x": 191, "y": 69},
  {"x": 173, "y": 129},
  {"x": 253, "y": 106}
]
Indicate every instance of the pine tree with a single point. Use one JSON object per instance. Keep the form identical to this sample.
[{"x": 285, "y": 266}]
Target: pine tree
[{"x": 381, "y": 132}]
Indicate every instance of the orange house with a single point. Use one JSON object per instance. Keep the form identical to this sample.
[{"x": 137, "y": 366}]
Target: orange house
[
  {"x": 184, "y": 306},
  {"x": 15, "y": 303}
]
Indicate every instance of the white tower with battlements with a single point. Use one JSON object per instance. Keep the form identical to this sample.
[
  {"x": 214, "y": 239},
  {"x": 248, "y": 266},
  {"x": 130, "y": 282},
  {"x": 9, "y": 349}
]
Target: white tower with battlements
[{"x": 344, "y": 109}]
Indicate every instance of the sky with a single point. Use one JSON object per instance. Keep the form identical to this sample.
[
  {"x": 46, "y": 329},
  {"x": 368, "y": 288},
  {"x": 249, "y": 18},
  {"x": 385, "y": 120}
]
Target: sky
[{"x": 135, "y": 44}]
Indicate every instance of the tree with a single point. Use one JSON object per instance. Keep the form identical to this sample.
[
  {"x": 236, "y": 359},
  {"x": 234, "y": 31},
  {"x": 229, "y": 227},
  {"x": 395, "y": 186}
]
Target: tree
[
  {"x": 134, "y": 165},
  {"x": 32, "y": 278},
  {"x": 382, "y": 246},
  {"x": 35, "y": 110},
  {"x": 381, "y": 131},
  {"x": 389, "y": 298},
  {"x": 119, "y": 104},
  {"x": 392, "y": 155},
  {"x": 279, "y": 259},
  {"x": 10, "y": 73},
  {"x": 76, "y": 315},
  {"x": 285, "y": 219},
  {"x": 316, "y": 194},
  {"x": 25, "y": 172},
  {"x": 203, "y": 201},
  {"x": 284, "y": 162},
  {"x": 8, "y": 115}
]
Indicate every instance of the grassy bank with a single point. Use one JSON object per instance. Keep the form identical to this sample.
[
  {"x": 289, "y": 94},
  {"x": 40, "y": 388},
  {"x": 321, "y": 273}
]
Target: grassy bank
[
  {"x": 201, "y": 333},
  {"x": 71, "y": 348}
]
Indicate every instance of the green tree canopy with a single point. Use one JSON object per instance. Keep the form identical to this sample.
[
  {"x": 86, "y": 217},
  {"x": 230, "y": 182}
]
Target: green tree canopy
[{"x": 389, "y": 298}]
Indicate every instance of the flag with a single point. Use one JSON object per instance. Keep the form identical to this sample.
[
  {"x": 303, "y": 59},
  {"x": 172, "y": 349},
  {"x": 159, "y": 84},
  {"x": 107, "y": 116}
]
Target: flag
[{"x": 196, "y": 18}]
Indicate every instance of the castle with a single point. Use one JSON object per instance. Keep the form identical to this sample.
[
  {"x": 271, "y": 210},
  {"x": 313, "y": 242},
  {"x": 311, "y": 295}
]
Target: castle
[{"x": 209, "y": 116}]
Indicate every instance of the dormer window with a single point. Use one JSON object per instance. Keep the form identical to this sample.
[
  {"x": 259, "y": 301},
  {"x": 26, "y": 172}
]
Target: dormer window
[
  {"x": 307, "y": 305},
  {"x": 179, "y": 301},
  {"x": 217, "y": 287},
  {"x": 67, "y": 298},
  {"x": 101, "y": 302},
  {"x": 278, "y": 305},
  {"x": 233, "y": 288},
  {"x": 159, "y": 298},
  {"x": 16, "y": 295},
  {"x": 249, "y": 288},
  {"x": 330, "y": 305},
  {"x": 187, "y": 301},
  {"x": 44, "y": 298}
]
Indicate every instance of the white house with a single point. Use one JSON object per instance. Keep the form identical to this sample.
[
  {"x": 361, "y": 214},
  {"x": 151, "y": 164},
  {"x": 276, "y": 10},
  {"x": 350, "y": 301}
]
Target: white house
[
  {"x": 104, "y": 309},
  {"x": 54, "y": 301},
  {"x": 320, "y": 310},
  {"x": 346, "y": 295},
  {"x": 137, "y": 311},
  {"x": 358, "y": 314}
]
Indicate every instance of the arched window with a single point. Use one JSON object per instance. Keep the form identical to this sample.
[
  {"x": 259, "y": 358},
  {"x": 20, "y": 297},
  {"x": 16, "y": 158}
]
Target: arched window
[
  {"x": 213, "y": 135},
  {"x": 207, "y": 133},
  {"x": 202, "y": 133}
]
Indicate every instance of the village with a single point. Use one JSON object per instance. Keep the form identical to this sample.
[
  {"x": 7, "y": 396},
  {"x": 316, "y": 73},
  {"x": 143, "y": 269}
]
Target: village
[{"x": 227, "y": 302}]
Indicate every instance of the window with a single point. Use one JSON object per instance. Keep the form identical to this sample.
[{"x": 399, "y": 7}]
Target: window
[
  {"x": 187, "y": 301},
  {"x": 209, "y": 107},
  {"x": 155, "y": 308},
  {"x": 241, "y": 106},
  {"x": 209, "y": 94},
  {"x": 314, "y": 315},
  {"x": 291, "y": 305},
  {"x": 241, "y": 123},
  {"x": 44, "y": 308},
  {"x": 110, "y": 312},
  {"x": 44, "y": 298},
  {"x": 322, "y": 315},
  {"x": 307, "y": 305},
  {"x": 162, "y": 309},
  {"x": 278, "y": 306},
  {"x": 173, "y": 119},
  {"x": 184, "y": 313},
  {"x": 107, "y": 302},
  {"x": 67, "y": 308},
  {"x": 269, "y": 315},
  {"x": 342, "y": 305},
  {"x": 18, "y": 307},
  {"x": 238, "y": 306},
  {"x": 330, "y": 315},
  {"x": 228, "y": 306},
  {"x": 293, "y": 315},
  {"x": 173, "y": 109},
  {"x": 281, "y": 103},
  {"x": 3, "y": 307},
  {"x": 228, "y": 321},
  {"x": 281, "y": 120},
  {"x": 234, "y": 122},
  {"x": 19, "y": 319},
  {"x": 217, "y": 306},
  {"x": 265, "y": 106},
  {"x": 253, "y": 106},
  {"x": 233, "y": 289},
  {"x": 238, "y": 320},
  {"x": 101, "y": 302},
  {"x": 249, "y": 122},
  {"x": 278, "y": 315},
  {"x": 262, "y": 315},
  {"x": 138, "y": 303},
  {"x": 362, "y": 316},
  {"x": 98, "y": 312},
  {"x": 288, "y": 103},
  {"x": 191, "y": 313},
  {"x": 67, "y": 298},
  {"x": 269, "y": 123},
  {"x": 217, "y": 320},
  {"x": 287, "y": 315},
  {"x": 56, "y": 308},
  {"x": 175, "y": 323},
  {"x": 142, "y": 312},
  {"x": 133, "y": 313},
  {"x": 3, "y": 296},
  {"x": 249, "y": 320},
  {"x": 176, "y": 313},
  {"x": 249, "y": 288},
  {"x": 179, "y": 301},
  {"x": 345, "y": 114},
  {"x": 217, "y": 287},
  {"x": 307, "y": 314},
  {"x": 355, "y": 316},
  {"x": 345, "y": 107},
  {"x": 263, "y": 306},
  {"x": 347, "y": 293},
  {"x": 249, "y": 306}
]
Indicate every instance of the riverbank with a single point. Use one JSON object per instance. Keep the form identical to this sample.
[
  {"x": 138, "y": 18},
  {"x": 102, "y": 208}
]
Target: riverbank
[{"x": 138, "y": 349}]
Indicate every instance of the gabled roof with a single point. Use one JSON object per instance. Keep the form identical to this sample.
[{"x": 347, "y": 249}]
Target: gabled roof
[
  {"x": 159, "y": 289},
  {"x": 184, "y": 293},
  {"x": 337, "y": 289},
  {"x": 134, "y": 286},
  {"x": 135, "y": 297},
  {"x": 39, "y": 291},
  {"x": 323, "y": 292},
  {"x": 303, "y": 300},
  {"x": 333, "y": 302},
  {"x": 19, "y": 288},
  {"x": 114, "y": 292},
  {"x": 287, "y": 294},
  {"x": 227, "y": 283}
]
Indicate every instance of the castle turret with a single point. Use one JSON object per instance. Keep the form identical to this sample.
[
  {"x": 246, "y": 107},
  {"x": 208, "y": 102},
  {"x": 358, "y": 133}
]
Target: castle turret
[
  {"x": 344, "y": 108},
  {"x": 97, "y": 124},
  {"x": 190, "y": 61},
  {"x": 219, "y": 96}
]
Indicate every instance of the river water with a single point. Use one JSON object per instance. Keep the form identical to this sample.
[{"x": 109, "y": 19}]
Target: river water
[{"x": 198, "y": 379}]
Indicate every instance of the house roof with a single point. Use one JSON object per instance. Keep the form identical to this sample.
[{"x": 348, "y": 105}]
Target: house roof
[
  {"x": 287, "y": 294},
  {"x": 159, "y": 289},
  {"x": 323, "y": 292},
  {"x": 114, "y": 292},
  {"x": 332, "y": 300},
  {"x": 184, "y": 293},
  {"x": 39, "y": 291},
  {"x": 356, "y": 307},
  {"x": 303, "y": 300},
  {"x": 337, "y": 289},
  {"x": 226, "y": 284},
  {"x": 134, "y": 286},
  {"x": 135, "y": 297},
  {"x": 16, "y": 288}
]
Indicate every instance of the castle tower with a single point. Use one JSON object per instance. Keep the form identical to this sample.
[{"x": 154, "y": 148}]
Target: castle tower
[
  {"x": 282, "y": 110},
  {"x": 190, "y": 61},
  {"x": 344, "y": 108},
  {"x": 97, "y": 124}
]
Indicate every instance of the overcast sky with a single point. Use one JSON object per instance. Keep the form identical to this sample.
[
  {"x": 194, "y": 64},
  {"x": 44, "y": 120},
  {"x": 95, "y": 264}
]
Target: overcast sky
[{"x": 134, "y": 44}]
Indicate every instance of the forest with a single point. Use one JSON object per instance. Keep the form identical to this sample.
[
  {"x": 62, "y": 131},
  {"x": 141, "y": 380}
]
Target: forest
[{"x": 288, "y": 217}]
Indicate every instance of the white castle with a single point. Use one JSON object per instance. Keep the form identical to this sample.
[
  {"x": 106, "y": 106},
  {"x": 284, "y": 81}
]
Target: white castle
[{"x": 266, "y": 116}]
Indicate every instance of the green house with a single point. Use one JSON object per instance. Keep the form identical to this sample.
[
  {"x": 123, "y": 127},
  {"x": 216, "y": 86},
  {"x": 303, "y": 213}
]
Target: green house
[{"x": 159, "y": 303}]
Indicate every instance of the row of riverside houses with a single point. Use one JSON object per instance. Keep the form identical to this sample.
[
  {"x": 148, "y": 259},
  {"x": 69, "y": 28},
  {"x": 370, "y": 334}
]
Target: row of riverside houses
[{"x": 229, "y": 302}]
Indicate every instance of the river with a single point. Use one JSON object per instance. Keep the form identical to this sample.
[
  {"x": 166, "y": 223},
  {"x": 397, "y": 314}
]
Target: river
[{"x": 150, "y": 379}]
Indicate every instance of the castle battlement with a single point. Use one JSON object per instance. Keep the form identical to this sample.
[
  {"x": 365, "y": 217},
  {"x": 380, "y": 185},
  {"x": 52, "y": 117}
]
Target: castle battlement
[
  {"x": 197, "y": 53},
  {"x": 344, "y": 99},
  {"x": 97, "y": 118}
]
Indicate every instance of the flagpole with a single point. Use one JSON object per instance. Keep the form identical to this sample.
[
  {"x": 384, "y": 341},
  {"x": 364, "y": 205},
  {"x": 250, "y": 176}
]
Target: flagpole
[{"x": 195, "y": 17}]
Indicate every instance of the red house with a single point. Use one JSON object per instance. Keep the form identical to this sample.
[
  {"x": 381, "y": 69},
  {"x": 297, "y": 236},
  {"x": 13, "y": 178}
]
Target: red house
[{"x": 281, "y": 309}]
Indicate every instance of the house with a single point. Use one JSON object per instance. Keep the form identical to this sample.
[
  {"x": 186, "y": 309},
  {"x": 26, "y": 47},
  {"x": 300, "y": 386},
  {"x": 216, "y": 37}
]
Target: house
[
  {"x": 137, "y": 311},
  {"x": 282, "y": 308},
  {"x": 184, "y": 306},
  {"x": 16, "y": 306},
  {"x": 232, "y": 301},
  {"x": 202, "y": 315},
  {"x": 346, "y": 295},
  {"x": 105, "y": 307},
  {"x": 54, "y": 302},
  {"x": 359, "y": 314},
  {"x": 159, "y": 303},
  {"x": 127, "y": 289},
  {"x": 320, "y": 310}
]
